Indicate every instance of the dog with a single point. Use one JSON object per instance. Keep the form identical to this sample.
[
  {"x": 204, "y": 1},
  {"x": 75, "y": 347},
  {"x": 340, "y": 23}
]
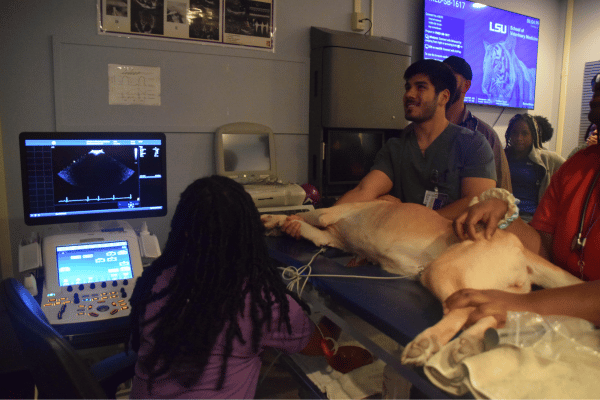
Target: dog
[{"x": 412, "y": 240}]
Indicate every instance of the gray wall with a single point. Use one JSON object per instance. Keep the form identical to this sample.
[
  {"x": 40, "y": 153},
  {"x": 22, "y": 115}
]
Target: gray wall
[
  {"x": 53, "y": 77},
  {"x": 585, "y": 47}
]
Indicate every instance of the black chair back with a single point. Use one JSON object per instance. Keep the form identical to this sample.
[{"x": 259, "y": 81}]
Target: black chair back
[{"x": 57, "y": 369}]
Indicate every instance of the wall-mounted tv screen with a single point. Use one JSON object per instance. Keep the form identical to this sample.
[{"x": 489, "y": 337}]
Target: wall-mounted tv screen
[{"x": 500, "y": 46}]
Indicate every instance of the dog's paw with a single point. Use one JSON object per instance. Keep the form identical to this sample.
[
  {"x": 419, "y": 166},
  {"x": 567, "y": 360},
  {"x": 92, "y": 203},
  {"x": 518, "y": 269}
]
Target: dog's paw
[
  {"x": 420, "y": 350},
  {"x": 464, "y": 346},
  {"x": 272, "y": 221}
]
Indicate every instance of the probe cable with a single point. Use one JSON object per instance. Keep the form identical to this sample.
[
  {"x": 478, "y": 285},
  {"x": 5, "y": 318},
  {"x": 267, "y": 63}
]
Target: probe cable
[{"x": 294, "y": 275}]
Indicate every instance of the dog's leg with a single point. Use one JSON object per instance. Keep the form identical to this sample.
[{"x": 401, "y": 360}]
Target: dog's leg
[
  {"x": 314, "y": 217},
  {"x": 321, "y": 218},
  {"x": 432, "y": 339},
  {"x": 546, "y": 274},
  {"x": 324, "y": 217},
  {"x": 317, "y": 236}
]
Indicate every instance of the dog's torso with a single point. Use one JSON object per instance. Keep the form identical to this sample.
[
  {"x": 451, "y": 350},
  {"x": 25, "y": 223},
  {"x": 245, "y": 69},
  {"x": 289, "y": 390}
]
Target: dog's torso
[
  {"x": 402, "y": 238},
  {"x": 496, "y": 264},
  {"x": 410, "y": 240}
]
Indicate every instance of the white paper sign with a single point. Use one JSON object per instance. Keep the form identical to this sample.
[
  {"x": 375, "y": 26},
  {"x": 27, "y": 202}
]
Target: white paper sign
[{"x": 132, "y": 85}]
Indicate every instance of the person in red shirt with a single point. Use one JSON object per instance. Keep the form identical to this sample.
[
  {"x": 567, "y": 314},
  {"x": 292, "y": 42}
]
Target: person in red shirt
[{"x": 564, "y": 229}]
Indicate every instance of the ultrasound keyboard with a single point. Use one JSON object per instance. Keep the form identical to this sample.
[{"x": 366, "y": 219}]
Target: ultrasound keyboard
[{"x": 88, "y": 302}]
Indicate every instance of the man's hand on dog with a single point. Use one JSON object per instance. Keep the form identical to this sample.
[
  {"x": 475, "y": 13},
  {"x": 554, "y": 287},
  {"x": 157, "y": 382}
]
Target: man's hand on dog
[
  {"x": 487, "y": 213},
  {"x": 292, "y": 227}
]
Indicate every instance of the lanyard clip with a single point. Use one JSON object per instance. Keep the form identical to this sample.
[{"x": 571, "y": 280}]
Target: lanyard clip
[{"x": 578, "y": 243}]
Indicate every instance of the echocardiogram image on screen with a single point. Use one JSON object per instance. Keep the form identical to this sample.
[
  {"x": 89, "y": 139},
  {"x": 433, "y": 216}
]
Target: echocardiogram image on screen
[
  {"x": 92, "y": 177},
  {"x": 95, "y": 174}
]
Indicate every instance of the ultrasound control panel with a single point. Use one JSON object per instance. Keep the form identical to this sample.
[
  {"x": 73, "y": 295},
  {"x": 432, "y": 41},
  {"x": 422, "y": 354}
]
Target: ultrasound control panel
[
  {"x": 88, "y": 302},
  {"x": 89, "y": 276}
]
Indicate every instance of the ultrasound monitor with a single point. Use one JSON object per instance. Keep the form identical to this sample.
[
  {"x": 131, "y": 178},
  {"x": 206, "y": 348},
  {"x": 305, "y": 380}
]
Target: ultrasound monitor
[
  {"x": 245, "y": 152},
  {"x": 91, "y": 176}
]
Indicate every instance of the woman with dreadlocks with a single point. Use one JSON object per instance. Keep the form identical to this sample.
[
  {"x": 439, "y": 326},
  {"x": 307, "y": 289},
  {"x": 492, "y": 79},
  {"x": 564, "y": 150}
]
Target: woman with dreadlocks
[
  {"x": 531, "y": 166},
  {"x": 203, "y": 312}
]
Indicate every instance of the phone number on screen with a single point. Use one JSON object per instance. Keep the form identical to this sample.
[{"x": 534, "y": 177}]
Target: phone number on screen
[{"x": 453, "y": 3}]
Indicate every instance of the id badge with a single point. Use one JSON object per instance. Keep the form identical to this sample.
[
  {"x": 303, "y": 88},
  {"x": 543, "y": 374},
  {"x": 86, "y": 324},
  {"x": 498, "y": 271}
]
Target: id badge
[
  {"x": 435, "y": 200},
  {"x": 430, "y": 197}
]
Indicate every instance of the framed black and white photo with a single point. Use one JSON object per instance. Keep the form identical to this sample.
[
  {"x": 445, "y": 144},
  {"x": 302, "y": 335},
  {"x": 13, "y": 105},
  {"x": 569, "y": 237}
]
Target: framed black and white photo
[{"x": 248, "y": 23}]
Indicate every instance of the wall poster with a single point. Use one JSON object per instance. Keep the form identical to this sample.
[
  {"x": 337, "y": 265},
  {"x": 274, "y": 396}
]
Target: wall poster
[{"x": 247, "y": 23}]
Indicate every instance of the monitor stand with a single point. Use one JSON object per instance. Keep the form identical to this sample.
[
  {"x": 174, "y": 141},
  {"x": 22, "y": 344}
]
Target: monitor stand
[{"x": 105, "y": 226}]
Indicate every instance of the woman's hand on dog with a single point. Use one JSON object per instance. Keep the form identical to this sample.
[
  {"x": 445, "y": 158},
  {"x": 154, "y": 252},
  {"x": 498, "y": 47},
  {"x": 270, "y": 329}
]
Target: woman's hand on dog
[
  {"x": 487, "y": 213},
  {"x": 495, "y": 303}
]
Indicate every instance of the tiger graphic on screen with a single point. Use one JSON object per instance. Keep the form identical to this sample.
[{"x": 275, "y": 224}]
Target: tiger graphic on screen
[{"x": 505, "y": 77}]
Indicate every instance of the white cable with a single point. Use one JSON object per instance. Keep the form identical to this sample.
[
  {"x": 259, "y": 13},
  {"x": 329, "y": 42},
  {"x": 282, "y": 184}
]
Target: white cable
[{"x": 294, "y": 275}]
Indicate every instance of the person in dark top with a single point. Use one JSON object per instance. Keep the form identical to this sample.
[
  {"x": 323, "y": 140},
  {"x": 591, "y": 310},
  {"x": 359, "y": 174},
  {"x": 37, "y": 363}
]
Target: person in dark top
[
  {"x": 458, "y": 113},
  {"x": 433, "y": 161},
  {"x": 531, "y": 166}
]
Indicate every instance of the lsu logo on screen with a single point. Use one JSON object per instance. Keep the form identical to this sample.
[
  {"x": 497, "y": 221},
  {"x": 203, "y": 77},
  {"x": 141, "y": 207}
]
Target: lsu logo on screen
[{"x": 498, "y": 27}]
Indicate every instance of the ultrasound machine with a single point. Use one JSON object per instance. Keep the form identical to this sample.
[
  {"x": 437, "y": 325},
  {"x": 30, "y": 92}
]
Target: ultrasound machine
[
  {"x": 245, "y": 152},
  {"x": 96, "y": 180}
]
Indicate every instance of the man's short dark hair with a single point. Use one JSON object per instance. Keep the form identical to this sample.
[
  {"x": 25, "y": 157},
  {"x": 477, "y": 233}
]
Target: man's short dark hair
[
  {"x": 440, "y": 75},
  {"x": 460, "y": 66}
]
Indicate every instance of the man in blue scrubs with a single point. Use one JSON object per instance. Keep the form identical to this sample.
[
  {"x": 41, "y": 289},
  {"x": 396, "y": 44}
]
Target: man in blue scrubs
[{"x": 432, "y": 162}]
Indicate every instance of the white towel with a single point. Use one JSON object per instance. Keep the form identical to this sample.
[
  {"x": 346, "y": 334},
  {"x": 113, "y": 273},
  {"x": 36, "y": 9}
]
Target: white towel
[
  {"x": 519, "y": 373},
  {"x": 357, "y": 384},
  {"x": 563, "y": 362}
]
